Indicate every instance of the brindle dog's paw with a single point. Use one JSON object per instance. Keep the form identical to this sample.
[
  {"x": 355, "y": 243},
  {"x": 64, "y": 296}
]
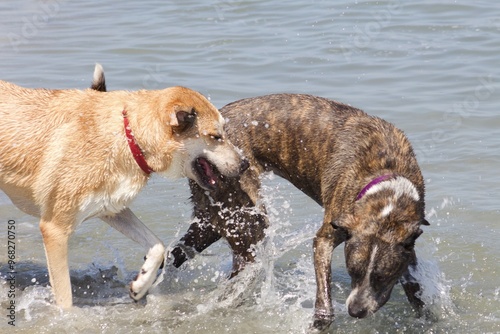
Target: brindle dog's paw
[
  {"x": 147, "y": 275},
  {"x": 426, "y": 314},
  {"x": 320, "y": 323}
]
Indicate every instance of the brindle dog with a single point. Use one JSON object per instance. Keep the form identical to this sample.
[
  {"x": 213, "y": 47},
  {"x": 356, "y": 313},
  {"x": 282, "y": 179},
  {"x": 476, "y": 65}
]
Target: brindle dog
[{"x": 360, "y": 168}]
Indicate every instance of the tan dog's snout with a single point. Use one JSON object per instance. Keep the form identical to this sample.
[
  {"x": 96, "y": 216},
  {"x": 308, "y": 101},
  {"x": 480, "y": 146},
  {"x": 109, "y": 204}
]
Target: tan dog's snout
[
  {"x": 214, "y": 162},
  {"x": 228, "y": 160}
]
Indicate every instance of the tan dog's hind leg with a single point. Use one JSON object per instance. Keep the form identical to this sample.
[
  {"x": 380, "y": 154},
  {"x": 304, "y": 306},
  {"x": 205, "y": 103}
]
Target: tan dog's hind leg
[
  {"x": 55, "y": 240},
  {"x": 128, "y": 224}
]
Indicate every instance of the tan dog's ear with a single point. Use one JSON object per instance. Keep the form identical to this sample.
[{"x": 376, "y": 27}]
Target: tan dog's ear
[
  {"x": 182, "y": 120},
  {"x": 173, "y": 119}
]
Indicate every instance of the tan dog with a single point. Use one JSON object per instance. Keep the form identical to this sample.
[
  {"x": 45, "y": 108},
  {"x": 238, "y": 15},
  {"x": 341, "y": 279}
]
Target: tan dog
[{"x": 70, "y": 155}]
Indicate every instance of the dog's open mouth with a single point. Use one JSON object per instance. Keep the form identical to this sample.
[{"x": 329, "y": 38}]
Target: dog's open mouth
[{"x": 207, "y": 173}]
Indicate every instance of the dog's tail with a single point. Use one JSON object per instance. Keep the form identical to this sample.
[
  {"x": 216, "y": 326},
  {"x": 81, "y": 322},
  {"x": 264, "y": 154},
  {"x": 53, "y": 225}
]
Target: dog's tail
[{"x": 98, "y": 81}]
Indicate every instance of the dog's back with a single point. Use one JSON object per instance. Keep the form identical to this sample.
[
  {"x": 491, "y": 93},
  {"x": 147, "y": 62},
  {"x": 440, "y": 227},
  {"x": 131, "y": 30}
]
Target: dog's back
[
  {"x": 37, "y": 130},
  {"x": 28, "y": 117},
  {"x": 296, "y": 136},
  {"x": 19, "y": 115},
  {"x": 280, "y": 128},
  {"x": 22, "y": 132}
]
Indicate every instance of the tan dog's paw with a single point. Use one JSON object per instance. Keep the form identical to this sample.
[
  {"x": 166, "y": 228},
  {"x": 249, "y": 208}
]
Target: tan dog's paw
[{"x": 147, "y": 275}]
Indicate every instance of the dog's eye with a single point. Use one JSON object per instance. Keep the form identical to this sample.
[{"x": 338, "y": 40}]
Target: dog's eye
[{"x": 376, "y": 279}]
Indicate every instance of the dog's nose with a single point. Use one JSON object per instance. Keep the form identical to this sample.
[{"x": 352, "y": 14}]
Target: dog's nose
[
  {"x": 244, "y": 165},
  {"x": 357, "y": 311}
]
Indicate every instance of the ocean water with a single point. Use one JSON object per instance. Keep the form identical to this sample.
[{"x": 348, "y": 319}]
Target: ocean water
[{"x": 430, "y": 67}]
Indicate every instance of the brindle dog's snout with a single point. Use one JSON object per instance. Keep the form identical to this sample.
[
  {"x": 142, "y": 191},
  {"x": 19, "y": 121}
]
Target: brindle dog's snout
[
  {"x": 357, "y": 310},
  {"x": 244, "y": 165}
]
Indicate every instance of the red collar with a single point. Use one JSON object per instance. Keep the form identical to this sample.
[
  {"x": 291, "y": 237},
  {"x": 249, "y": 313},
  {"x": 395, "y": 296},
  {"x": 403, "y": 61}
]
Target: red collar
[{"x": 134, "y": 147}]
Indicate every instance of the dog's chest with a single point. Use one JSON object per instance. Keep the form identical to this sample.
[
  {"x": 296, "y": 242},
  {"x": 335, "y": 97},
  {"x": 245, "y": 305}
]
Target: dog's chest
[{"x": 110, "y": 200}]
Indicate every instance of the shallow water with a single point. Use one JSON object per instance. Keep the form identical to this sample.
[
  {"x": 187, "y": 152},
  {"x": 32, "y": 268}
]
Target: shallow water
[{"x": 432, "y": 68}]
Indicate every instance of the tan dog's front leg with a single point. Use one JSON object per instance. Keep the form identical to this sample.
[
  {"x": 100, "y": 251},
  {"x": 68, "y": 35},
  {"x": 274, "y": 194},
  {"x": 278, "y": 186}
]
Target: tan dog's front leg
[
  {"x": 324, "y": 243},
  {"x": 127, "y": 223},
  {"x": 147, "y": 275},
  {"x": 55, "y": 241}
]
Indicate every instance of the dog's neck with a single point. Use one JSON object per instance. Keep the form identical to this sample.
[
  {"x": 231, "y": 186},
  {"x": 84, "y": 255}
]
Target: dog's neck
[{"x": 134, "y": 147}]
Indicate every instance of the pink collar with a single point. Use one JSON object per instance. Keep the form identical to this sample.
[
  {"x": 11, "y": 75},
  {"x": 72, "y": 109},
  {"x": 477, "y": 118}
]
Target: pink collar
[
  {"x": 372, "y": 183},
  {"x": 134, "y": 147}
]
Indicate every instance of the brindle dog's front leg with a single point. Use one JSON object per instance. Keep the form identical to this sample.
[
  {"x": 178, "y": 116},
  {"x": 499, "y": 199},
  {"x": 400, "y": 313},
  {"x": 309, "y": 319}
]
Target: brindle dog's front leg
[
  {"x": 327, "y": 238},
  {"x": 198, "y": 237},
  {"x": 412, "y": 287},
  {"x": 202, "y": 232}
]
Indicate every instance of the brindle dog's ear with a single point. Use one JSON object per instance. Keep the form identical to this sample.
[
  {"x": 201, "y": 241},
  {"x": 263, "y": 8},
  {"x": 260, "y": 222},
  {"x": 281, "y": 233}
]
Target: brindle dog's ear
[
  {"x": 425, "y": 222},
  {"x": 410, "y": 242},
  {"x": 182, "y": 120}
]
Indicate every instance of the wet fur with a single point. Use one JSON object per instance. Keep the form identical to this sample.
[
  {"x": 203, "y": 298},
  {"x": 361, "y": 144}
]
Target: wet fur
[
  {"x": 329, "y": 151},
  {"x": 65, "y": 158}
]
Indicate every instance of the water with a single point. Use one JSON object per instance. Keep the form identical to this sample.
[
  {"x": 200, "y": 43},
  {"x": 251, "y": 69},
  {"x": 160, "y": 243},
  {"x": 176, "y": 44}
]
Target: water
[{"x": 432, "y": 68}]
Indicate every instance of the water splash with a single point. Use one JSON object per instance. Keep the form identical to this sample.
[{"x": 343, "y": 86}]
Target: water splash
[
  {"x": 435, "y": 289},
  {"x": 275, "y": 294}
]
